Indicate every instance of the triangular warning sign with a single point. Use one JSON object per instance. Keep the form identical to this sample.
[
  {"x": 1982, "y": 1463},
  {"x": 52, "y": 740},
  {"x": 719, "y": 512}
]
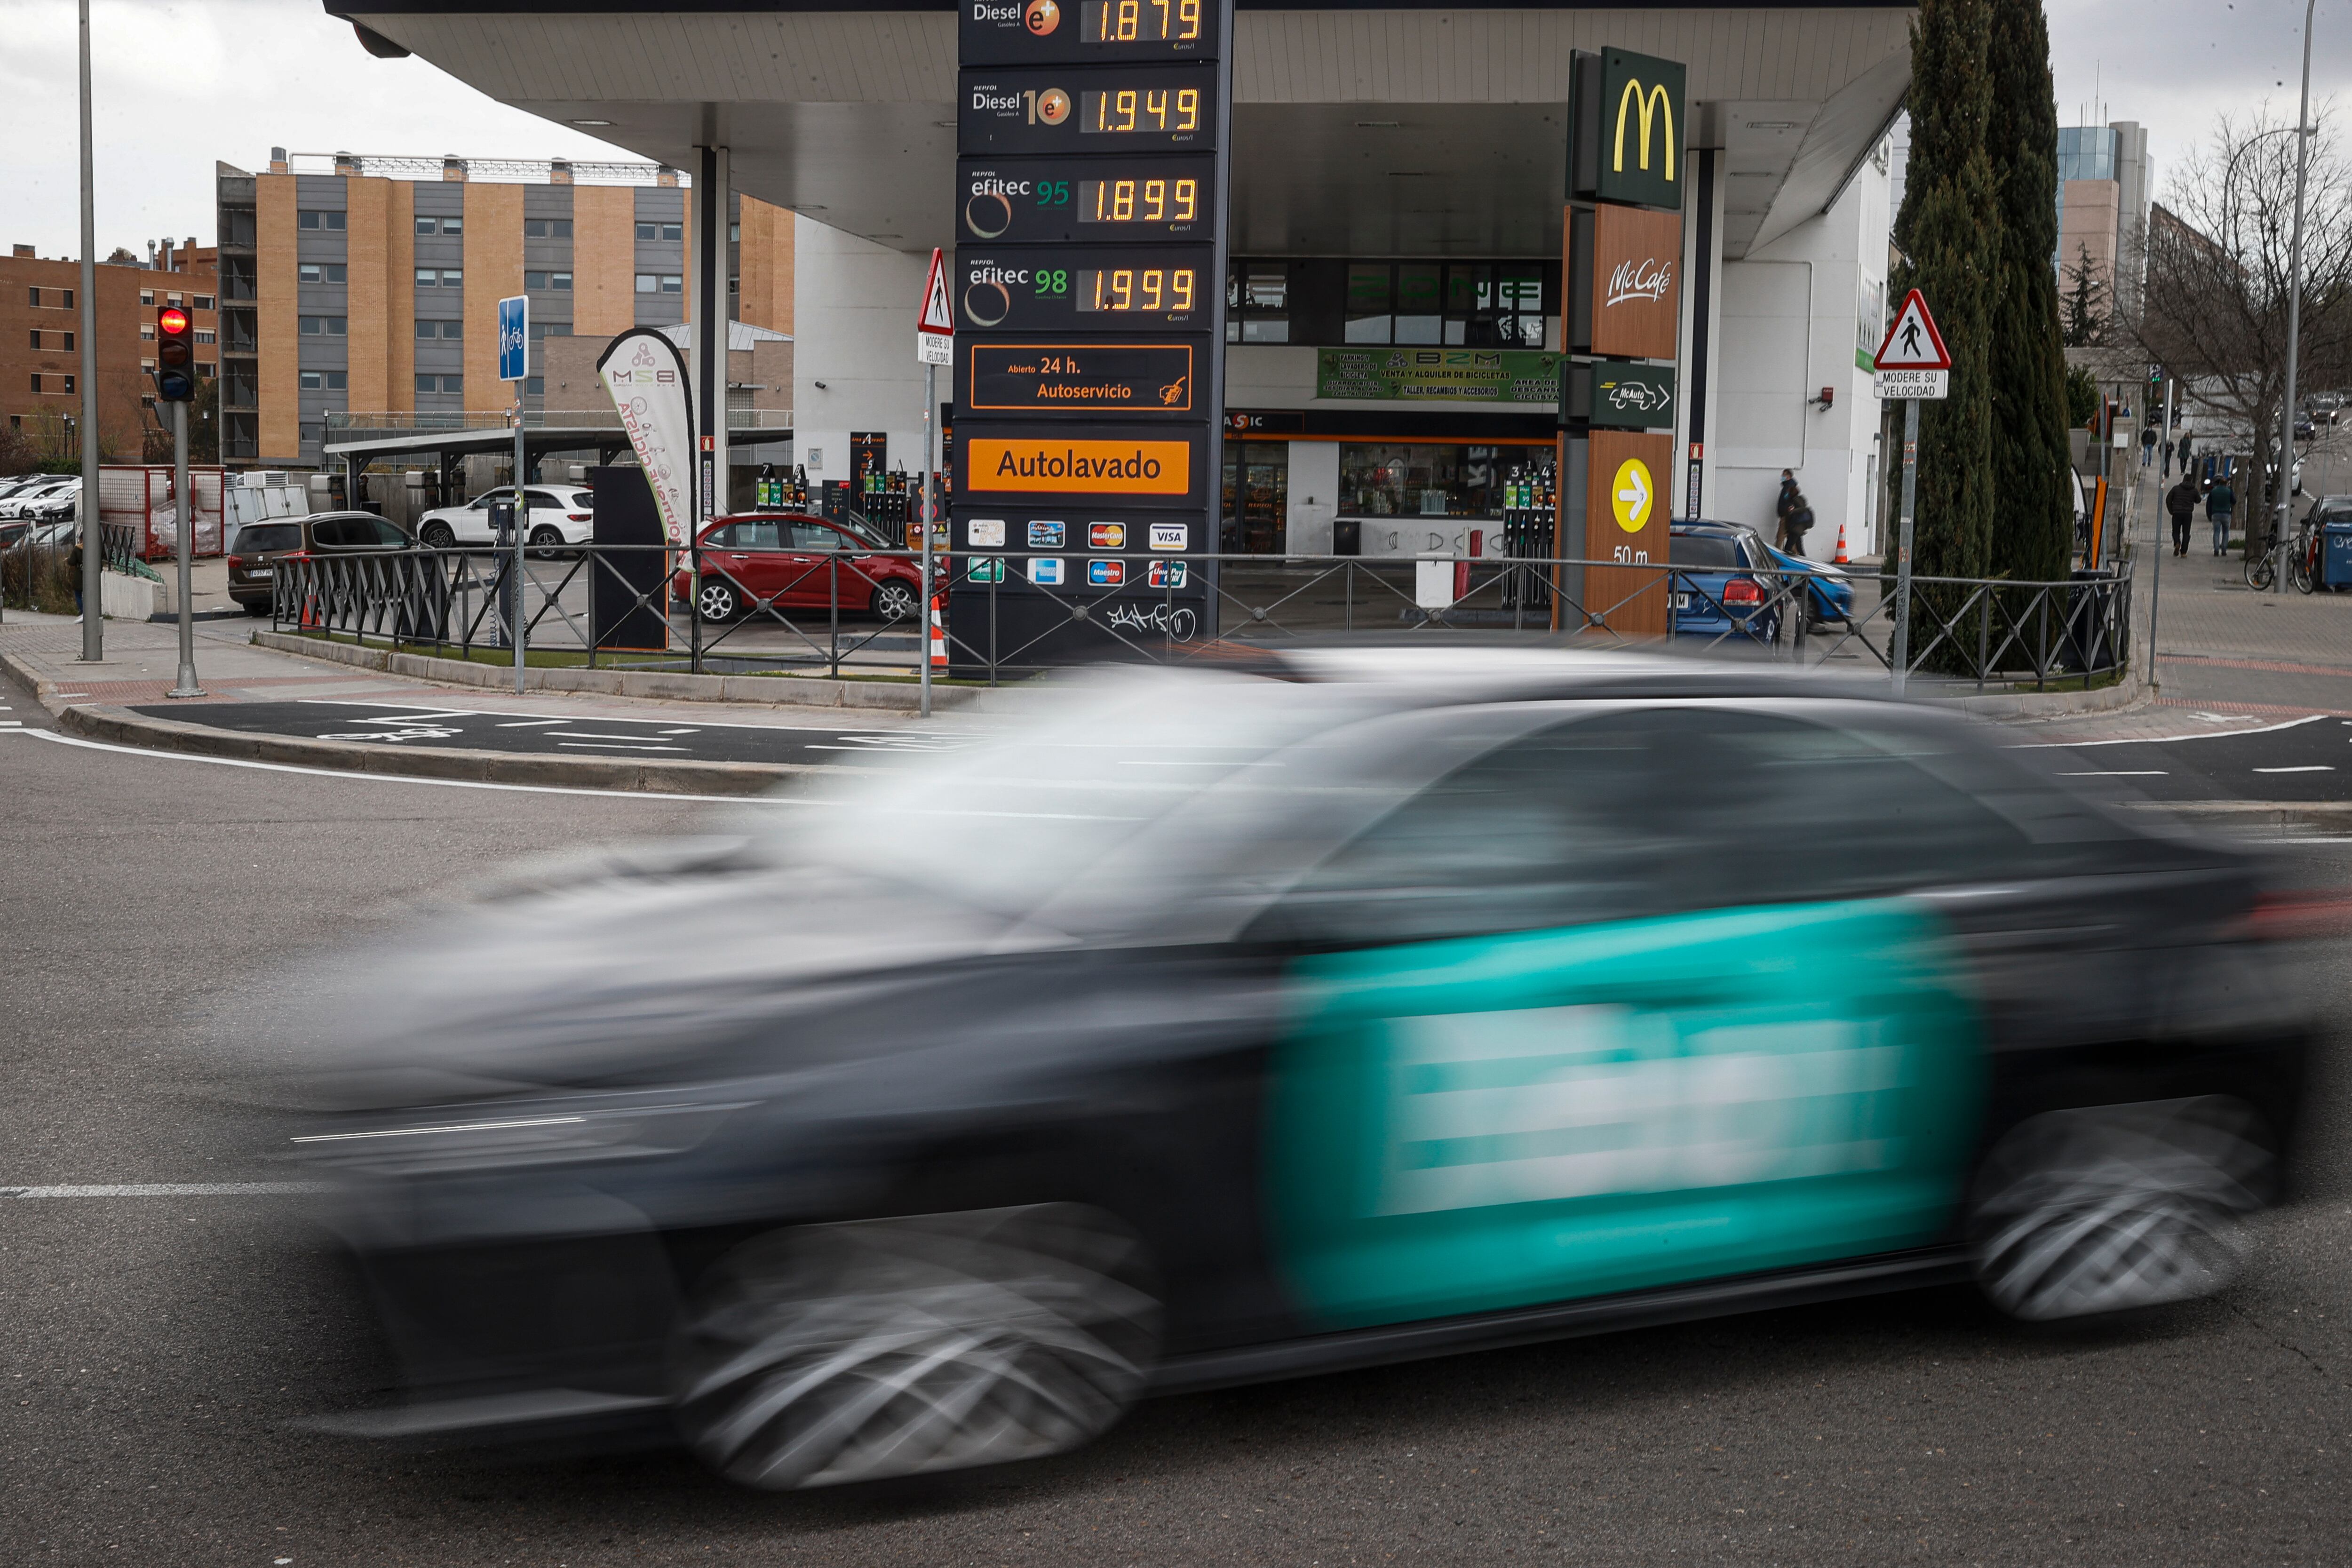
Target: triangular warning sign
[
  {"x": 938, "y": 315},
  {"x": 1912, "y": 342}
]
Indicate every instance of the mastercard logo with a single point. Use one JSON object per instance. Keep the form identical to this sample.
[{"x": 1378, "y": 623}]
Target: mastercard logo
[
  {"x": 1053, "y": 106},
  {"x": 1041, "y": 17},
  {"x": 987, "y": 304},
  {"x": 988, "y": 215}
]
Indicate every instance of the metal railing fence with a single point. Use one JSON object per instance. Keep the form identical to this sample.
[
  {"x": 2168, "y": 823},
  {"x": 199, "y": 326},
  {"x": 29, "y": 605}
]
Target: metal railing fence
[{"x": 739, "y": 612}]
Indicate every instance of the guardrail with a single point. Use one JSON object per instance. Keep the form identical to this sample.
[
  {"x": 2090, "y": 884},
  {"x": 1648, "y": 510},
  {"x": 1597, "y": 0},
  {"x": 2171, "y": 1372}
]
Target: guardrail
[{"x": 780, "y": 611}]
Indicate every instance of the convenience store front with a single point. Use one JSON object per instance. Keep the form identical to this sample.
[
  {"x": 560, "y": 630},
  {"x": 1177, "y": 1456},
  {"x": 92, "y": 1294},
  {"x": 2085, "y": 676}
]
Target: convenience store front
[{"x": 1389, "y": 407}]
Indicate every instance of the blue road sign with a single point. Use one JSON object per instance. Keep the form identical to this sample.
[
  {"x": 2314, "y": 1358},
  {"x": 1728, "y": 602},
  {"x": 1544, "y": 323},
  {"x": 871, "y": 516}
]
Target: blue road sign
[{"x": 514, "y": 338}]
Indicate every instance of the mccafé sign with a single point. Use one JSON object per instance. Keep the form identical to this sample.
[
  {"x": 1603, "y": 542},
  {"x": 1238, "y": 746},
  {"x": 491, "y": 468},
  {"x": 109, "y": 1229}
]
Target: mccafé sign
[
  {"x": 1627, "y": 127},
  {"x": 1623, "y": 293}
]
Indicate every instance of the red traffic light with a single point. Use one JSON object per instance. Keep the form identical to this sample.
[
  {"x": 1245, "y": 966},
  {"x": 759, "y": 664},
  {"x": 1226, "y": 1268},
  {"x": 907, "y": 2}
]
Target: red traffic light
[{"x": 170, "y": 321}]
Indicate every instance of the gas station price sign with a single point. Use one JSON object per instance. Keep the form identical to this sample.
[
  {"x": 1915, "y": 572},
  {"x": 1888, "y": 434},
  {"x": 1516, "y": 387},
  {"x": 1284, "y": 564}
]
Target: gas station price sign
[
  {"x": 1088, "y": 32},
  {"x": 1093, "y": 288},
  {"x": 1090, "y": 111},
  {"x": 1084, "y": 201}
]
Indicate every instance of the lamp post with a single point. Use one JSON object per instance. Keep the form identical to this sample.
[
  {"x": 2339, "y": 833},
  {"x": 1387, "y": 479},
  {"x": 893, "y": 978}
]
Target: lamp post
[
  {"x": 93, "y": 619},
  {"x": 2285, "y": 480}
]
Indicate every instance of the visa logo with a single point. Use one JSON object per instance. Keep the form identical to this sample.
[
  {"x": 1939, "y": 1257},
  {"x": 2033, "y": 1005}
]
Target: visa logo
[{"x": 1169, "y": 535}]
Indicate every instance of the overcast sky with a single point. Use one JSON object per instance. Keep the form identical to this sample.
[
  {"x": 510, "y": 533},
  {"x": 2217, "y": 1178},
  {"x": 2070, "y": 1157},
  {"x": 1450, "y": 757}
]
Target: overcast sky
[{"x": 248, "y": 75}]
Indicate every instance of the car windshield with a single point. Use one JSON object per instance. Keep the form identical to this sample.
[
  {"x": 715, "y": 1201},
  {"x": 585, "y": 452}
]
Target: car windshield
[
  {"x": 1708, "y": 551},
  {"x": 255, "y": 537},
  {"x": 1006, "y": 823}
]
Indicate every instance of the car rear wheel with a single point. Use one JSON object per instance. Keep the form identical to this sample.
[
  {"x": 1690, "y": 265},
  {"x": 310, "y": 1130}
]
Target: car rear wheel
[
  {"x": 895, "y": 600},
  {"x": 824, "y": 1354},
  {"x": 546, "y": 540},
  {"x": 2117, "y": 1206},
  {"x": 438, "y": 536},
  {"x": 716, "y": 602}
]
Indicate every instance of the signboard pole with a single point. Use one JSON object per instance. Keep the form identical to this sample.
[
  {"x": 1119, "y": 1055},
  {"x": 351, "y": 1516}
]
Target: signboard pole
[
  {"x": 1902, "y": 651},
  {"x": 514, "y": 365},
  {"x": 931, "y": 506}
]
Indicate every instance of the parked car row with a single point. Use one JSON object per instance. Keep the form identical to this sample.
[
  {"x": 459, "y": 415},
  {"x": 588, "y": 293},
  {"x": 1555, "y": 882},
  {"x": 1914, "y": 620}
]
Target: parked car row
[{"x": 40, "y": 498}]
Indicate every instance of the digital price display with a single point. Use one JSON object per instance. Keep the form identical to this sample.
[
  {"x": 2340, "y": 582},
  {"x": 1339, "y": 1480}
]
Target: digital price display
[
  {"x": 1092, "y": 201},
  {"x": 1141, "y": 290},
  {"x": 1154, "y": 378},
  {"x": 1067, "y": 111},
  {"x": 1090, "y": 32}
]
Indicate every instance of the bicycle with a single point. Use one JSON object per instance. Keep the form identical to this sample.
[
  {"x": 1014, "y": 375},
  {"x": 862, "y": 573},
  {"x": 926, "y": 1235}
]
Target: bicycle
[
  {"x": 2262, "y": 564},
  {"x": 2303, "y": 561}
]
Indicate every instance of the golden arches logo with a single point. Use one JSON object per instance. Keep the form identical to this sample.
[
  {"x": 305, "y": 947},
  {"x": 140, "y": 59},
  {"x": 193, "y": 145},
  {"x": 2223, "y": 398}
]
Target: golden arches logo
[{"x": 1652, "y": 104}]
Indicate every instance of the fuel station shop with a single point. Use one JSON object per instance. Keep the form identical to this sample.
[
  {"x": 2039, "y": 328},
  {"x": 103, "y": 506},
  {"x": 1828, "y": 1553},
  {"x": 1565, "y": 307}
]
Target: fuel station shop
[{"x": 1366, "y": 215}]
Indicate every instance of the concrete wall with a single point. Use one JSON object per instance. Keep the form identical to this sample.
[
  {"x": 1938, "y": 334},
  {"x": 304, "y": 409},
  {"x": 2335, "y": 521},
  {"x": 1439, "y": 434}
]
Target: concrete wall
[
  {"x": 1795, "y": 316},
  {"x": 855, "y": 333}
]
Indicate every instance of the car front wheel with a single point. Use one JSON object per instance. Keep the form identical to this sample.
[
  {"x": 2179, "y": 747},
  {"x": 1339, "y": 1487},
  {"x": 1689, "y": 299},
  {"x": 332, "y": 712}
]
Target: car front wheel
[
  {"x": 716, "y": 602},
  {"x": 824, "y": 1354},
  {"x": 438, "y": 536},
  {"x": 895, "y": 600}
]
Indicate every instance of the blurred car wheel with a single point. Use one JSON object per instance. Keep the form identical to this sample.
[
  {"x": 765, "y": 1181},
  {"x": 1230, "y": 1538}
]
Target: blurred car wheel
[
  {"x": 2113, "y": 1207},
  {"x": 832, "y": 1353},
  {"x": 716, "y": 602},
  {"x": 894, "y": 600},
  {"x": 437, "y": 535}
]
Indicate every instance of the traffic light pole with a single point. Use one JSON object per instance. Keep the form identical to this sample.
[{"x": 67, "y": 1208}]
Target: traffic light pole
[
  {"x": 93, "y": 547},
  {"x": 185, "y": 503},
  {"x": 521, "y": 527}
]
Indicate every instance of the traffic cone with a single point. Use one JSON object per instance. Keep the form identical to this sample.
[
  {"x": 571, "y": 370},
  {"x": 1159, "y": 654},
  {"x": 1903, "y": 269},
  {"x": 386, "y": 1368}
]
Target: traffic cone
[
  {"x": 938, "y": 632},
  {"x": 1840, "y": 557}
]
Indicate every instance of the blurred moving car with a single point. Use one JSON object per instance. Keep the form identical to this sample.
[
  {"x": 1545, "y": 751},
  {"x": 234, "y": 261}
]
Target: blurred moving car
[
  {"x": 1828, "y": 590},
  {"x": 1212, "y": 1026},
  {"x": 560, "y": 514},
  {"x": 253, "y": 552},
  {"x": 797, "y": 562}
]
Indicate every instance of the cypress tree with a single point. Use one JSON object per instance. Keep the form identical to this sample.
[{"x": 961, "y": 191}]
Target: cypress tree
[
  {"x": 2033, "y": 520},
  {"x": 1949, "y": 227}
]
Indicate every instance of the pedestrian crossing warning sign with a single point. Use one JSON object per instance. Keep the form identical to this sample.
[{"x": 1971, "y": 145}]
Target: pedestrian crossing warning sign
[{"x": 1912, "y": 341}]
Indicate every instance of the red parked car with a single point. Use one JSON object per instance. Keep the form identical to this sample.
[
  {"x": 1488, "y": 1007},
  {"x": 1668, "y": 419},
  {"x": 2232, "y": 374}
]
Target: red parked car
[{"x": 795, "y": 563}]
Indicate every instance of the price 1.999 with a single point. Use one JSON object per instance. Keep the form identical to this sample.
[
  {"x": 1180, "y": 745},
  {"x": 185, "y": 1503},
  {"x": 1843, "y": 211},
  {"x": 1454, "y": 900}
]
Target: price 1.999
[{"x": 1138, "y": 290}]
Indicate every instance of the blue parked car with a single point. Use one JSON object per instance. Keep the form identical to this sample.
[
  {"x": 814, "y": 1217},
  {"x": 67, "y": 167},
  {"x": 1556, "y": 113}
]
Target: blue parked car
[
  {"x": 1727, "y": 584},
  {"x": 1829, "y": 595}
]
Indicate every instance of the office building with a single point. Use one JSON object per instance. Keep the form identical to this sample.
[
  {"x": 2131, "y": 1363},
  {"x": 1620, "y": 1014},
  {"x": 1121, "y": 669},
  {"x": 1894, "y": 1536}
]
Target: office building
[
  {"x": 40, "y": 342},
  {"x": 2102, "y": 198},
  {"x": 363, "y": 288}
]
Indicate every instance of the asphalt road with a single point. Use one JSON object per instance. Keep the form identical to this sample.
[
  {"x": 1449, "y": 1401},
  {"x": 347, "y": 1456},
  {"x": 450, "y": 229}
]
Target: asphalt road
[
  {"x": 2307, "y": 759},
  {"x": 154, "y": 1348},
  {"x": 556, "y": 733}
]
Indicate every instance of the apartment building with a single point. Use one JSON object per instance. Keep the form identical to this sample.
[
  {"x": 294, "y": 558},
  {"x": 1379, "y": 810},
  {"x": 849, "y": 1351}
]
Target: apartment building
[
  {"x": 40, "y": 341},
  {"x": 355, "y": 284},
  {"x": 2102, "y": 199}
]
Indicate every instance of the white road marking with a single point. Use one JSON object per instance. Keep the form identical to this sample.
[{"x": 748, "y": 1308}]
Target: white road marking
[
  {"x": 347, "y": 774},
  {"x": 603, "y": 718},
  {"x": 2120, "y": 773},
  {"x": 592, "y": 736},
  {"x": 2310, "y": 768},
  {"x": 170, "y": 1190},
  {"x": 530, "y": 723},
  {"x": 614, "y": 746},
  {"x": 2168, "y": 740}
]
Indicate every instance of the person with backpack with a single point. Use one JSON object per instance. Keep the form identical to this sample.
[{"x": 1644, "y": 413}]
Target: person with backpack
[
  {"x": 1795, "y": 519},
  {"x": 2220, "y": 506}
]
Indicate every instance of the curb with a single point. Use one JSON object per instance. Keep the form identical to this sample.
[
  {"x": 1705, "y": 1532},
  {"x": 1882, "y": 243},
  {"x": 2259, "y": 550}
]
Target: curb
[
  {"x": 122, "y": 727},
  {"x": 2246, "y": 816},
  {"x": 764, "y": 690}
]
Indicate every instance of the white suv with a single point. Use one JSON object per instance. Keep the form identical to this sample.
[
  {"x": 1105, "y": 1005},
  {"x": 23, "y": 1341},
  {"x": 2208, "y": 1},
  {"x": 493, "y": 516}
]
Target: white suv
[{"x": 558, "y": 516}]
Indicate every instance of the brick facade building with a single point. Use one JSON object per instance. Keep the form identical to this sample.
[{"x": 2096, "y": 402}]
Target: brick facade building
[{"x": 40, "y": 343}]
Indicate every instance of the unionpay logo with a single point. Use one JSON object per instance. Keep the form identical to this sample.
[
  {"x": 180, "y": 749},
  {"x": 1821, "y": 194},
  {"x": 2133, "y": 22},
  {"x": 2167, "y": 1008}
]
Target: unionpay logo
[{"x": 1166, "y": 575}]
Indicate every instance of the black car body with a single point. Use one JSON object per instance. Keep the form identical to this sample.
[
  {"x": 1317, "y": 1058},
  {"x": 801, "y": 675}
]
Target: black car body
[{"x": 1214, "y": 1028}]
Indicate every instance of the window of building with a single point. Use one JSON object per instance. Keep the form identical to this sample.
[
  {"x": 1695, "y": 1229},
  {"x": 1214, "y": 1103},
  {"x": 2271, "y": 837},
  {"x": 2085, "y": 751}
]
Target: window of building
[
  {"x": 326, "y": 380},
  {"x": 535, "y": 386},
  {"x": 448, "y": 386},
  {"x": 70, "y": 385},
  {"x": 69, "y": 341},
  {"x": 37, "y": 340},
  {"x": 205, "y": 368},
  {"x": 34, "y": 298},
  {"x": 655, "y": 231},
  {"x": 734, "y": 285},
  {"x": 146, "y": 296},
  {"x": 673, "y": 283},
  {"x": 452, "y": 278},
  {"x": 441, "y": 330},
  {"x": 440, "y": 277},
  {"x": 331, "y": 222},
  {"x": 1418, "y": 478},
  {"x": 324, "y": 326},
  {"x": 734, "y": 234},
  {"x": 647, "y": 283},
  {"x": 648, "y": 230},
  {"x": 148, "y": 366},
  {"x": 322, "y": 272},
  {"x": 453, "y": 226},
  {"x": 550, "y": 330},
  {"x": 206, "y": 302},
  {"x": 146, "y": 331},
  {"x": 174, "y": 298},
  {"x": 559, "y": 281},
  {"x": 146, "y": 400},
  {"x": 547, "y": 228},
  {"x": 205, "y": 337}
]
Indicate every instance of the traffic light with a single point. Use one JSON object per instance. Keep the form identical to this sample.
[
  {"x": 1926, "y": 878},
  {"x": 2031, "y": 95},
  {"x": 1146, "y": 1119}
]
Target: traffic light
[{"x": 175, "y": 355}]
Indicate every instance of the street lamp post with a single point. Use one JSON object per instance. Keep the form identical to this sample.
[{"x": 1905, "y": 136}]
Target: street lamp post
[
  {"x": 2285, "y": 480},
  {"x": 93, "y": 619}
]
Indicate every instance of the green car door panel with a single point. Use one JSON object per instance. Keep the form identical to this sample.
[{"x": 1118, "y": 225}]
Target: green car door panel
[{"x": 1478, "y": 1123}]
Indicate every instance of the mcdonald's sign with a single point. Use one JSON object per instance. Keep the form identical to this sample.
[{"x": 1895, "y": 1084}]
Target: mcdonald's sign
[{"x": 1626, "y": 127}]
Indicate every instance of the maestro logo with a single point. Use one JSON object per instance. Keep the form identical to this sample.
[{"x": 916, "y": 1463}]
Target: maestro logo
[{"x": 1041, "y": 17}]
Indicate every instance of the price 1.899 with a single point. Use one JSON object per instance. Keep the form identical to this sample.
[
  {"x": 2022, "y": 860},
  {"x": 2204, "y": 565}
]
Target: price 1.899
[{"x": 1138, "y": 200}]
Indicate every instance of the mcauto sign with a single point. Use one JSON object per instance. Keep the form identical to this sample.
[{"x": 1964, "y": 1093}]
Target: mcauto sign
[{"x": 1089, "y": 299}]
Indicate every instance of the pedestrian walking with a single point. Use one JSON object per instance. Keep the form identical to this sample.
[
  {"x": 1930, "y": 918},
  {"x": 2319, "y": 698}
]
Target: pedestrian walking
[
  {"x": 2188, "y": 443},
  {"x": 2220, "y": 506},
  {"x": 2146, "y": 444},
  {"x": 2181, "y": 504},
  {"x": 1788, "y": 501},
  {"x": 1794, "y": 521}
]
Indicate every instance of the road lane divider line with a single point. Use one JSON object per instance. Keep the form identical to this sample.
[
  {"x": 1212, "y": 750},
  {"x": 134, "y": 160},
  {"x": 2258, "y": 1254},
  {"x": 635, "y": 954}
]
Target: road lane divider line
[
  {"x": 351, "y": 775},
  {"x": 2120, "y": 774},
  {"x": 172, "y": 1190},
  {"x": 2171, "y": 740},
  {"x": 603, "y": 718},
  {"x": 2306, "y": 768}
]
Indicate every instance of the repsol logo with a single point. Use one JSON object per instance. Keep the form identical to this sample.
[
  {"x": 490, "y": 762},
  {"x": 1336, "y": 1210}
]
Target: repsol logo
[{"x": 984, "y": 97}]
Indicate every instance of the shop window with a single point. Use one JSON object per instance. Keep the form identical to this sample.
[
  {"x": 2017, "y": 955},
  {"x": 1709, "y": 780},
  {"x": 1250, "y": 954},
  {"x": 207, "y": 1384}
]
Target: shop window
[
  {"x": 1257, "y": 497},
  {"x": 1418, "y": 478},
  {"x": 1420, "y": 310},
  {"x": 1367, "y": 302}
]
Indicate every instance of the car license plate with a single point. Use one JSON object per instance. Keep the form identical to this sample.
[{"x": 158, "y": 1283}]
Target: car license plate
[
  {"x": 261, "y": 571},
  {"x": 1682, "y": 601}
]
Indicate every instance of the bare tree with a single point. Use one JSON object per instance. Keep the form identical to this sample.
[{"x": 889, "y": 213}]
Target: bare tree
[{"x": 2214, "y": 306}]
